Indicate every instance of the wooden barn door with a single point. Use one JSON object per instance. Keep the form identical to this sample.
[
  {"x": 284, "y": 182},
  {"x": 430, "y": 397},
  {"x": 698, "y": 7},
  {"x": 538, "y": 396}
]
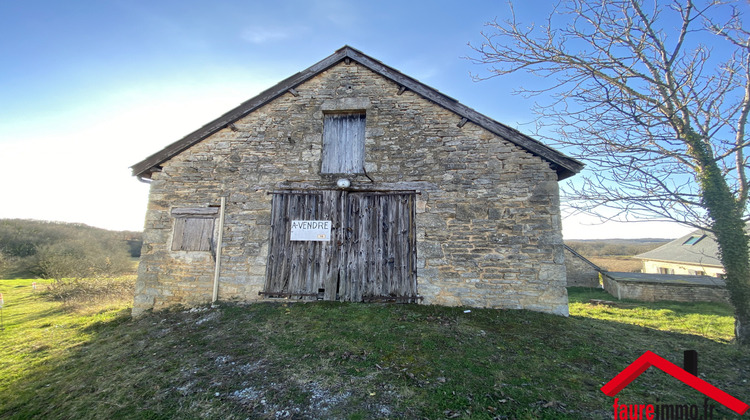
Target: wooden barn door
[
  {"x": 380, "y": 248},
  {"x": 303, "y": 269},
  {"x": 371, "y": 254}
]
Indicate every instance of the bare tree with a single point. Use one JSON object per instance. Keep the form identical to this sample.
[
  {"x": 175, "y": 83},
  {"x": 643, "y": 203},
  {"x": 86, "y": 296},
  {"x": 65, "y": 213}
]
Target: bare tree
[{"x": 655, "y": 99}]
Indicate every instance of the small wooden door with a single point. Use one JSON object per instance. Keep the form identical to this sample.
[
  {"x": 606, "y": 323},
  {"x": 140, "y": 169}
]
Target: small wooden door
[{"x": 371, "y": 254}]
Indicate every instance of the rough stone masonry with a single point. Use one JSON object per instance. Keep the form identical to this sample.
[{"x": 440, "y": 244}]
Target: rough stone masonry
[{"x": 488, "y": 223}]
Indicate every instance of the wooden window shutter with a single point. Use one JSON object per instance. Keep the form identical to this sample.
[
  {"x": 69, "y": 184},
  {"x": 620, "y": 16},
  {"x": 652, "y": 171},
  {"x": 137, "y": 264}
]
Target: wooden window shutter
[
  {"x": 193, "y": 228},
  {"x": 343, "y": 144}
]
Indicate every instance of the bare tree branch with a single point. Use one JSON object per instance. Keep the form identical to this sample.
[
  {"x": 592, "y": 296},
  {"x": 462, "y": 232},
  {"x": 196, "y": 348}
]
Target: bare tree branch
[{"x": 655, "y": 99}]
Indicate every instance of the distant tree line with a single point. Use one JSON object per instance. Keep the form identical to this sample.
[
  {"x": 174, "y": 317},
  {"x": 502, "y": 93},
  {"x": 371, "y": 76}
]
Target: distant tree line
[
  {"x": 614, "y": 247},
  {"x": 32, "y": 248}
]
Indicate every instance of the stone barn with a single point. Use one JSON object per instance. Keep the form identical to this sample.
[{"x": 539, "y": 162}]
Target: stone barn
[{"x": 351, "y": 181}]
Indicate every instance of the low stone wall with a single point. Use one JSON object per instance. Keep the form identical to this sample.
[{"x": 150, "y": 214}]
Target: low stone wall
[{"x": 652, "y": 291}]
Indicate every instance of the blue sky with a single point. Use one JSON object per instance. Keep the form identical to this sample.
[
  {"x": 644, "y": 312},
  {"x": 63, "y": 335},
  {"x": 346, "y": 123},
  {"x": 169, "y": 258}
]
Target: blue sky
[{"x": 89, "y": 88}]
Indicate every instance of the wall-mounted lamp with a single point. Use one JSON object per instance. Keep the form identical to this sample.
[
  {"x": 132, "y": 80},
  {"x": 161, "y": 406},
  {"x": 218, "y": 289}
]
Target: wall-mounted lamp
[{"x": 343, "y": 183}]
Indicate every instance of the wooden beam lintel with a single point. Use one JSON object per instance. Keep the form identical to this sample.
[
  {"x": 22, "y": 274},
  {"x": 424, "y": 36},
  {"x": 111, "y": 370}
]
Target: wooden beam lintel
[
  {"x": 287, "y": 294},
  {"x": 391, "y": 298}
]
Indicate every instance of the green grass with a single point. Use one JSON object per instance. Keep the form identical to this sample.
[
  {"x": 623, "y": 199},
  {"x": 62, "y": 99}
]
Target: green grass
[
  {"x": 343, "y": 360},
  {"x": 710, "y": 320}
]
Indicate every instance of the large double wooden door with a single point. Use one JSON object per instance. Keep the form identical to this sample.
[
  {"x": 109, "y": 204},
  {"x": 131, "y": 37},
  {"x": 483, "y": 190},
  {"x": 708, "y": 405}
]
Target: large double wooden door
[{"x": 371, "y": 254}]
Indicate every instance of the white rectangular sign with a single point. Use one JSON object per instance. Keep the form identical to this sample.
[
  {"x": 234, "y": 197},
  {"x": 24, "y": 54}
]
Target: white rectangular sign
[{"x": 311, "y": 230}]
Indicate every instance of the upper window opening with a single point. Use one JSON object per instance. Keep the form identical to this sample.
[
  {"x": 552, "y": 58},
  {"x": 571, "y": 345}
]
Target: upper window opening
[
  {"x": 343, "y": 144},
  {"x": 694, "y": 240}
]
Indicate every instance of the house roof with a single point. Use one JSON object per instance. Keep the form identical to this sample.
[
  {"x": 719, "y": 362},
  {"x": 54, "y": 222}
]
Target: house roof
[
  {"x": 562, "y": 164},
  {"x": 698, "y": 248}
]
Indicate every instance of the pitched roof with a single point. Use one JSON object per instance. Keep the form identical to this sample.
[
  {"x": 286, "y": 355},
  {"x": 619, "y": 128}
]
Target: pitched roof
[
  {"x": 698, "y": 247},
  {"x": 562, "y": 164}
]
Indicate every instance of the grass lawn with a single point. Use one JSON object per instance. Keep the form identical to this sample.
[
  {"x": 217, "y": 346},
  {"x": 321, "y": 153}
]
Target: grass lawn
[{"x": 343, "y": 360}]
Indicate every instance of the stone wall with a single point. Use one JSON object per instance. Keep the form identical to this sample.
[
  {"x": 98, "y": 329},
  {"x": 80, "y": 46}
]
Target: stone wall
[
  {"x": 488, "y": 218},
  {"x": 654, "y": 291},
  {"x": 579, "y": 271}
]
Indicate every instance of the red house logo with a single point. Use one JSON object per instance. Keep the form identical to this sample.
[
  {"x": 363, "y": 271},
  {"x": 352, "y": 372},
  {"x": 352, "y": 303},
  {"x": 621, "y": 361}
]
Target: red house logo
[{"x": 649, "y": 358}]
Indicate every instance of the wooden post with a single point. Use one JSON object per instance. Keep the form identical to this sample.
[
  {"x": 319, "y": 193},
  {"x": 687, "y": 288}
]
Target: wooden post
[{"x": 219, "y": 239}]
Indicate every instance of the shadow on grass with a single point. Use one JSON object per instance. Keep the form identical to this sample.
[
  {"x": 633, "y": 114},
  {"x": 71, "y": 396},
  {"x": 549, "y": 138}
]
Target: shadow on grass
[
  {"x": 13, "y": 316},
  {"x": 31, "y": 317}
]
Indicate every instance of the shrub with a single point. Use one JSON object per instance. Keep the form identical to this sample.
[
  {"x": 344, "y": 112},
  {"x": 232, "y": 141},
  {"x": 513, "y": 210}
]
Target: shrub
[
  {"x": 93, "y": 291},
  {"x": 63, "y": 250},
  {"x": 81, "y": 258}
]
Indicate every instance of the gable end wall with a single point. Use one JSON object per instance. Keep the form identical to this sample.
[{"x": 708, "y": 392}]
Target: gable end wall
[{"x": 488, "y": 218}]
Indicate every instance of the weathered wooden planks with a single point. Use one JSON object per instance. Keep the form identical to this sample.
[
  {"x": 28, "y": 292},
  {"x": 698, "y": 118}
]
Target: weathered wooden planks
[
  {"x": 301, "y": 268},
  {"x": 382, "y": 258},
  {"x": 193, "y": 228},
  {"x": 192, "y": 234},
  {"x": 343, "y": 144},
  {"x": 372, "y": 254}
]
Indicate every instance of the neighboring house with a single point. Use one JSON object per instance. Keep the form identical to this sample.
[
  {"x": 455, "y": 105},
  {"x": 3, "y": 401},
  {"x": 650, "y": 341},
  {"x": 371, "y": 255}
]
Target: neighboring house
[
  {"x": 352, "y": 181},
  {"x": 693, "y": 254}
]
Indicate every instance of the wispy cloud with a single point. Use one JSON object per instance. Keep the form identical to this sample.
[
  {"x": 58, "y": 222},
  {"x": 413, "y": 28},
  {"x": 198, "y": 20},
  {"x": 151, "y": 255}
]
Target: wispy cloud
[
  {"x": 338, "y": 13},
  {"x": 262, "y": 35}
]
